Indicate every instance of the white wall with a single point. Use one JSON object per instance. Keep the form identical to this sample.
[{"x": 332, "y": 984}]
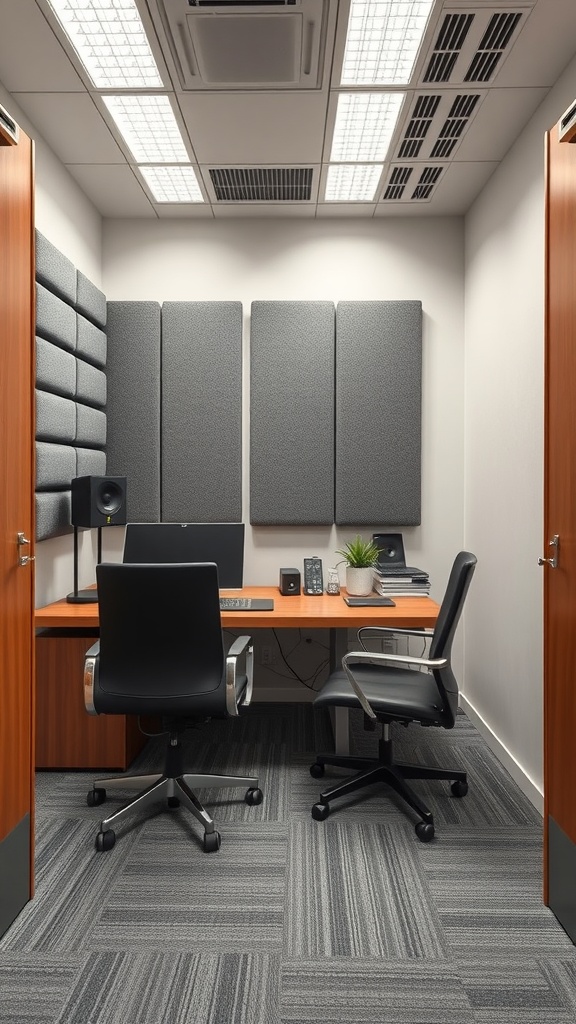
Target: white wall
[
  {"x": 69, "y": 220},
  {"x": 247, "y": 260},
  {"x": 504, "y": 402}
]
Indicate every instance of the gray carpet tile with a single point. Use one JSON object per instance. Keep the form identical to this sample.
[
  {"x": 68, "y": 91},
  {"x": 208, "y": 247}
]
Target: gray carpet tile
[
  {"x": 350, "y": 920},
  {"x": 169, "y": 895},
  {"x": 487, "y": 886},
  {"x": 157, "y": 988},
  {"x": 33, "y": 988},
  {"x": 357, "y": 890},
  {"x": 372, "y": 991}
]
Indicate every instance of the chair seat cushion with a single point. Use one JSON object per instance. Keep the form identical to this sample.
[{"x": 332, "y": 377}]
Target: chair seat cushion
[{"x": 396, "y": 693}]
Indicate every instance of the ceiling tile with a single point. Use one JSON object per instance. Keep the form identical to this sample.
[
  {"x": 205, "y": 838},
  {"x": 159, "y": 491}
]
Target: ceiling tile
[
  {"x": 251, "y": 129},
  {"x": 498, "y": 123},
  {"x": 72, "y": 127},
  {"x": 31, "y": 58},
  {"x": 113, "y": 189}
]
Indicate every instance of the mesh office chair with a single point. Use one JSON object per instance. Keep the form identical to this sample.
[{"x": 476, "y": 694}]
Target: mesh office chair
[
  {"x": 389, "y": 691},
  {"x": 161, "y": 653}
]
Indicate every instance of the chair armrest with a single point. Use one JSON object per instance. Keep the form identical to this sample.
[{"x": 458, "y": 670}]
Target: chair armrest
[
  {"x": 370, "y": 657},
  {"x": 241, "y": 646},
  {"x": 91, "y": 663}
]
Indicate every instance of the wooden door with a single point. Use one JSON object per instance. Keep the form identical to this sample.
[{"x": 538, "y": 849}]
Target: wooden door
[
  {"x": 16, "y": 516},
  {"x": 560, "y": 520}
]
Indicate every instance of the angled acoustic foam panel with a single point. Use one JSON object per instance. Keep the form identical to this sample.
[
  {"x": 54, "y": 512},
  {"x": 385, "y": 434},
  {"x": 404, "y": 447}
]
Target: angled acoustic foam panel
[
  {"x": 292, "y": 413},
  {"x": 133, "y": 409},
  {"x": 202, "y": 411},
  {"x": 378, "y": 412}
]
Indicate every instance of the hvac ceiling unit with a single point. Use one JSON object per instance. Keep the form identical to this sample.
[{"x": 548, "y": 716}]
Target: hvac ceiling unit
[
  {"x": 472, "y": 41},
  {"x": 225, "y": 45}
]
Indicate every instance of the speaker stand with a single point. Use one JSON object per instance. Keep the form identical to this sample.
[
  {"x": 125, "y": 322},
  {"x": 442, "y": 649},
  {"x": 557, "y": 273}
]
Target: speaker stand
[{"x": 84, "y": 596}]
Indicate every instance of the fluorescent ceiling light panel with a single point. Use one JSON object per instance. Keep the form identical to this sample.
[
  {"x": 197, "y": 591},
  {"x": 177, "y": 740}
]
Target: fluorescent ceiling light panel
[
  {"x": 172, "y": 184},
  {"x": 109, "y": 38},
  {"x": 347, "y": 183},
  {"x": 383, "y": 40},
  {"x": 149, "y": 128},
  {"x": 365, "y": 123}
]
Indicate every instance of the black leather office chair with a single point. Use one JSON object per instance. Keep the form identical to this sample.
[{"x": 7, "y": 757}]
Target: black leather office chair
[
  {"x": 389, "y": 692},
  {"x": 161, "y": 653}
]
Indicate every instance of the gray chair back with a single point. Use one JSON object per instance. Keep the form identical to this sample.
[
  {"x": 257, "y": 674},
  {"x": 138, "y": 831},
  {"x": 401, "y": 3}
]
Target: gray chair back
[{"x": 446, "y": 624}]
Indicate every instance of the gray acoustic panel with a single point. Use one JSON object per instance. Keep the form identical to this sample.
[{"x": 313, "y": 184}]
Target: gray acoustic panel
[
  {"x": 292, "y": 413},
  {"x": 378, "y": 412},
  {"x": 55, "y": 369},
  {"x": 133, "y": 408},
  {"x": 53, "y": 510},
  {"x": 90, "y": 427},
  {"x": 90, "y": 301},
  {"x": 90, "y": 384},
  {"x": 202, "y": 411},
  {"x": 90, "y": 462},
  {"x": 55, "y": 418},
  {"x": 90, "y": 342},
  {"x": 54, "y": 270},
  {"x": 54, "y": 319},
  {"x": 55, "y": 466}
]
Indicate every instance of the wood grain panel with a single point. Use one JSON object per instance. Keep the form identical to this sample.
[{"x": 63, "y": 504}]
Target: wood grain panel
[
  {"x": 66, "y": 735},
  {"x": 560, "y": 493},
  {"x": 16, "y": 481}
]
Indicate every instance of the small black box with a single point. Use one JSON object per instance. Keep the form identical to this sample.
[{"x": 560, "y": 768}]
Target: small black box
[{"x": 289, "y": 581}]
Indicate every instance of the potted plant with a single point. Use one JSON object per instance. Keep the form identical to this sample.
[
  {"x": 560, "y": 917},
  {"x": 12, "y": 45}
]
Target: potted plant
[{"x": 360, "y": 556}]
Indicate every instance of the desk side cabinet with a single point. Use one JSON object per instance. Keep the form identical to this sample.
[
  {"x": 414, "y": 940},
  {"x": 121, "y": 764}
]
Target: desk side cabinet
[{"x": 66, "y": 735}]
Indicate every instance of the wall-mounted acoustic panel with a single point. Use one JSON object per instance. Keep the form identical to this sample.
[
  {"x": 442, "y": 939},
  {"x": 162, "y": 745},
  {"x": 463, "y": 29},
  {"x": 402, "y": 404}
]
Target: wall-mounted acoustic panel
[
  {"x": 202, "y": 412},
  {"x": 292, "y": 413},
  {"x": 90, "y": 301},
  {"x": 133, "y": 407},
  {"x": 90, "y": 342},
  {"x": 55, "y": 320},
  {"x": 55, "y": 466},
  {"x": 378, "y": 412},
  {"x": 54, "y": 270},
  {"x": 55, "y": 369},
  {"x": 90, "y": 384},
  {"x": 90, "y": 427},
  {"x": 90, "y": 462},
  {"x": 55, "y": 418},
  {"x": 52, "y": 514}
]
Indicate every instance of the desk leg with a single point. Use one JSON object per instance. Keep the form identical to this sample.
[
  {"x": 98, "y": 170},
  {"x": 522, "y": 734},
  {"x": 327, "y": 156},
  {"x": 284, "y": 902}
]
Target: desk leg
[{"x": 339, "y": 716}]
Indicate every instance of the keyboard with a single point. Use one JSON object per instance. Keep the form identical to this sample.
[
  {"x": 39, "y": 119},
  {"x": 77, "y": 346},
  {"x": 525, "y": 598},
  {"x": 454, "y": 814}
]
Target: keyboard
[{"x": 246, "y": 604}]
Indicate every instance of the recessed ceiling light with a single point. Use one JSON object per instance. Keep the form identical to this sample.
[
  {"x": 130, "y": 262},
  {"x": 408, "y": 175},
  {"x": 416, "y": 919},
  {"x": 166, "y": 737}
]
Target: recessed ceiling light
[
  {"x": 348, "y": 183},
  {"x": 173, "y": 184},
  {"x": 365, "y": 123},
  {"x": 149, "y": 128},
  {"x": 109, "y": 38},
  {"x": 383, "y": 40}
]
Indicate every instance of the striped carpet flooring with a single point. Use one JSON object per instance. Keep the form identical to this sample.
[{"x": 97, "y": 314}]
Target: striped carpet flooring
[{"x": 347, "y": 921}]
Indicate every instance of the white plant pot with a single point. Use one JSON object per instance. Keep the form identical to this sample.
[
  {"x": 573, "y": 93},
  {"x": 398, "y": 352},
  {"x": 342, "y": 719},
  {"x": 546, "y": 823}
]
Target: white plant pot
[{"x": 359, "y": 582}]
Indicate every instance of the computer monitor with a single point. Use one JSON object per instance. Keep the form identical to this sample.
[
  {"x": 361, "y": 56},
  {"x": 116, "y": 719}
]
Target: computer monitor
[{"x": 222, "y": 543}]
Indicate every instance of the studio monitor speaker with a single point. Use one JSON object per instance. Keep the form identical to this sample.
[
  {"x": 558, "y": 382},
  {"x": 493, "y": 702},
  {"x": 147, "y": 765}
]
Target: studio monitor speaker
[
  {"x": 99, "y": 501},
  {"x": 390, "y": 548},
  {"x": 289, "y": 581}
]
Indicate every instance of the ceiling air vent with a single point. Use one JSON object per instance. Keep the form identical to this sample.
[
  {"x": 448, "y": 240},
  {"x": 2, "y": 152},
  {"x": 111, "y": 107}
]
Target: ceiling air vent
[
  {"x": 262, "y": 184},
  {"x": 397, "y": 182},
  {"x": 9, "y": 131},
  {"x": 428, "y": 179},
  {"x": 454, "y": 126},
  {"x": 240, "y": 45},
  {"x": 453, "y": 32},
  {"x": 492, "y": 45},
  {"x": 418, "y": 126}
]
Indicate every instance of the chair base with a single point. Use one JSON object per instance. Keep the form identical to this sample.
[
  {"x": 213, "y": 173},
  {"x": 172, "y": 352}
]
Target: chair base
[
  {"x": 173, "y": 786},
  {"x": 391, "y": 773}
]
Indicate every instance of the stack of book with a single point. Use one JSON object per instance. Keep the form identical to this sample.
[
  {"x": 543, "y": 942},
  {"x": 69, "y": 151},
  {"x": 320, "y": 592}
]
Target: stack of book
[{"x": 401, "y": 581}]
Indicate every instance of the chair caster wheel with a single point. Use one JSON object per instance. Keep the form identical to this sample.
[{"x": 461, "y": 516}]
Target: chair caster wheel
[
  {"x": 105, "y": 840},
  {"x": 425, "y": 831},
  {"x": 212, "y": 842},
  {"x": 317, "y": 770},
  {"x": 459, "y": 788},
  {"x": 254, "y": 796},
  {"x": 95, "y": 796},
  {"x": 173, "y": 801},
  {"x": 320, "y": 812}
]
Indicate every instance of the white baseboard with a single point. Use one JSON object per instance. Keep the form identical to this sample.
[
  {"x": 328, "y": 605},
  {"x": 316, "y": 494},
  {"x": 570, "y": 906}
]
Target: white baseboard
[{"x": 528, "y": 787}]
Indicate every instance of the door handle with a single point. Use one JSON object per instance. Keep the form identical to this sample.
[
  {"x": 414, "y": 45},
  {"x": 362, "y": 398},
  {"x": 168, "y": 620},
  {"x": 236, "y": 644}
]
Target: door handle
[
  {"x": 553, "y": 560},
  {"x": 21, "y": 539}
]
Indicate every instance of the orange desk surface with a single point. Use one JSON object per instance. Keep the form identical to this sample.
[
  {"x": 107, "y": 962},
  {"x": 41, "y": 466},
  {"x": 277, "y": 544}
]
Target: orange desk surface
[{"x": 297, "y": 611}]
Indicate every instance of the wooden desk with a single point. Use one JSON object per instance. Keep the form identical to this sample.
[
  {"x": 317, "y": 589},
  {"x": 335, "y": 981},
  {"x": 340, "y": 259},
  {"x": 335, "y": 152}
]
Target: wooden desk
[{"x": 67, "y": 737}]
